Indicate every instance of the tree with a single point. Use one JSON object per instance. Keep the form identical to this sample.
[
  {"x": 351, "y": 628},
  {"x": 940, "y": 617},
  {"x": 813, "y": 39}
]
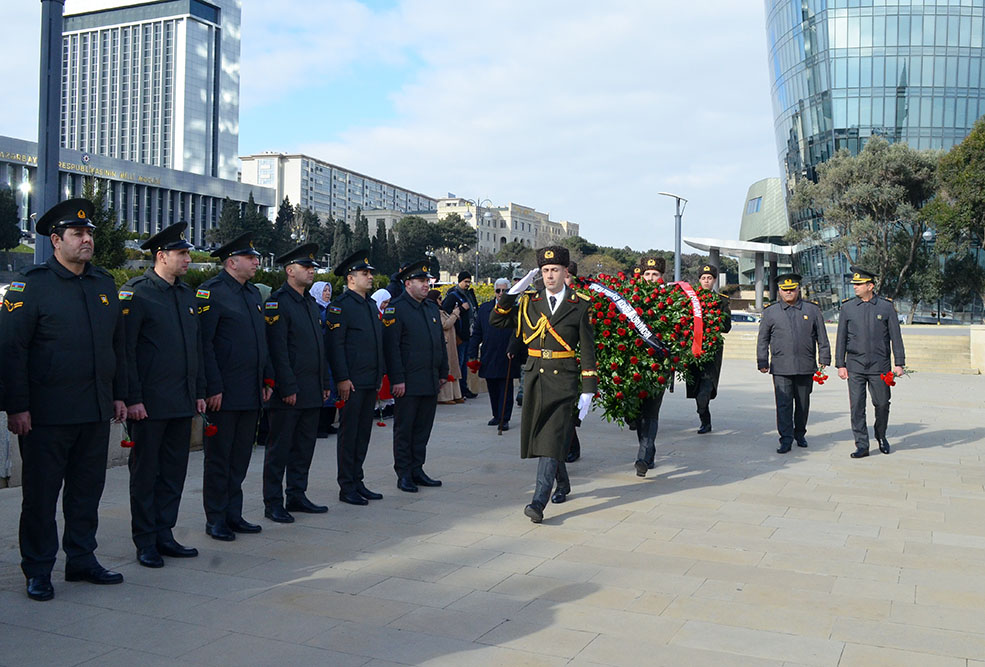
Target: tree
[
  {"x": 10, "y": 230},
  {"x": 962, "y": 190},
  {"x": 515, "y": 252},
  {"x": 872, "y": 201},
  {"x": 600, "y": 263},
  {"x": 283, "y": 226},
  {"x": 393, "y": 259},
  {"x": 342, "y": 242},
  {"x": 415, "y": 236},
  {"x": 109, "y": 237},
  {"x": 319, "y": 233},
  {"x": 230, "y": 224},
  {"x": 455, "y": 234},
  {"x": 258, "y": 224},
  {"x": 379, "y": 254},
  {"x": 360, "y": 231}
]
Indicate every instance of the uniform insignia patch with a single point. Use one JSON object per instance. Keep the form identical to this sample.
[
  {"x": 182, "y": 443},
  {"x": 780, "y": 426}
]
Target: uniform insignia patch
[
  {"x": 387, "y": 322},
  {"x": 103, "y": 299},
  {"x": 433, "y": 320},
  {"x": 125, "y": 295},
  {"x": 259, "y": 310},
  {"x": 16, "y": 287},
  {"x": 11, "y": 307},
  {"x": 126, "y": 311},
  {"x": 271, "y": 320},
  {"x": 879, "y": 316},
  {"x": 389, "y": 310},
  {"x": 271, "y": 305},
  {"x": 191, "y": 311},
  {"x": 205, "y": 309},
  {"x": 805, "y": 317},
  {"x": 334, "y": 309},
  {"x": 333, "y": 325},
  {"x": 202, "y": 294}
]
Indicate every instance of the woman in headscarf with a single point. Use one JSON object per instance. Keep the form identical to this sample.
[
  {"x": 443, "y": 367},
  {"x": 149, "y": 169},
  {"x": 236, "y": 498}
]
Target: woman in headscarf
[
  {"x": 385, "y": 405},
  {"x": 322, "y": 293},
  {"x": 450, "y": 392}
]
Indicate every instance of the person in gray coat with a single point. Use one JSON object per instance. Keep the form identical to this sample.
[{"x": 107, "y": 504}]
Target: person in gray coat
[{"x": 792, "y": 344}]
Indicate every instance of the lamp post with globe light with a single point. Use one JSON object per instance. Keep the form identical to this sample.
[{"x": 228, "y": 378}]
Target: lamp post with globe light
[
  {"x": 929, "y": 237},
  {"x": 478, "y": 233}
]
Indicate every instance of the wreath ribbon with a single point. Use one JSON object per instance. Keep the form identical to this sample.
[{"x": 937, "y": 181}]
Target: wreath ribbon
[
  {"x": 631, "y": 316},
  {"x": 698, "y": 321}
]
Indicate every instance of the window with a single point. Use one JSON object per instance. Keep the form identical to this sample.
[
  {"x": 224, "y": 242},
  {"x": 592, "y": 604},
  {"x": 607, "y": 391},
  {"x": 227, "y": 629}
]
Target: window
[{"x": 754, "y": 205}]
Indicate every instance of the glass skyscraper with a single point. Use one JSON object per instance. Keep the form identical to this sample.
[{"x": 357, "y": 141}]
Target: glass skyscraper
[{"x": 845, "y": 70}]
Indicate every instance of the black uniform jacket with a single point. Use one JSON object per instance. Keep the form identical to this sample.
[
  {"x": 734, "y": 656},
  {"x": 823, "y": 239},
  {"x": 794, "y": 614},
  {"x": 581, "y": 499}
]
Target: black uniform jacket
[
  {"x": 297, "y": 348},
  {"x": 794, "y": 336},
  {"x": 490, "y": 346},
  {"x": 62, "y": 354},
  {"x": 234, "y": 341},
  {"x": 164, "y": 346},
  {"x": 354, "y": 338},
  {"x": 414, "y": 345},
  {"x": 866, "y": 331}
]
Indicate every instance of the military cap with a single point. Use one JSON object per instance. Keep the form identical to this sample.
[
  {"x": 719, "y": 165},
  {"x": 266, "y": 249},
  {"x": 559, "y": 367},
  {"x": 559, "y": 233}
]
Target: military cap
[
  {"x": 788, "y": 281},
  {"x": 652, "y": 263},
  {"x": 303, "y": 255},
  {"x": 415, "y": 270},
  {"x": 710, "y": 269},
  {"x": 553, "y": 254},
  {"x": 860, "y": 276},
  {"x": 357, "y": 261},
  {"x": 169, "y": 238},
  {"x": 69, "y": 213},
  {"x": 241, "y": 245}
]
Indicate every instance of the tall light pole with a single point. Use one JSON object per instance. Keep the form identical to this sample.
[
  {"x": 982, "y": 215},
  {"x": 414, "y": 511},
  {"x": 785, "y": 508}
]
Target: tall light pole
[
  {"x": 25, "y": 189},
  {"x": 49, "y": 109},
  {"x": 478, "y": 234},
  {"x": 677, "y": 232},
  {"x": 929, "y": 236}
]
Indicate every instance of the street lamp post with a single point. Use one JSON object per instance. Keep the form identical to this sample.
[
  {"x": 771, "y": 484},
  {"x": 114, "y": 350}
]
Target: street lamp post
[
  {"x": 25, "y": 189},
  {"x": 677, "y": 232},
  {"x": 929, "y": 236},
  {"x": 478, "y": 234}
]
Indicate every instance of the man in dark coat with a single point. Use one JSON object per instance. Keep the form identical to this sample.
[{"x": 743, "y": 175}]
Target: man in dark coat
[
  {"x": 417, "y": 365},
  {"x": 552, "y": 322},
  {"x": 301, "y": 384},
  {"x": 792, "y": 344},
  {"x": 238, "y": 381},
  {"x": 62, "y": 358},
  {"x": 165, "y": 388},
  {"x": 354, "y": 338},
  {"x": 868, "y": 329},
  {"x": 489, "y": 347},
  {"x": 651, "y": 269},
  {"x": 703, "y": 383},
  {"x": 463, "y": 296}
]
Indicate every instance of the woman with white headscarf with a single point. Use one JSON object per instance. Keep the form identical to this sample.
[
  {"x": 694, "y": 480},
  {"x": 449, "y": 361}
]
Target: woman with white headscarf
[
  {"x": 385, "y": 405},
  {"x": 322, "y": 293}
]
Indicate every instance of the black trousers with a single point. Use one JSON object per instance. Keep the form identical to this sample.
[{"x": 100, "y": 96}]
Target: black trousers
[
  {"x": 292, "y": 444},
  {"x": 73, "y": 454},
  {"x": 793, "y": 405},
  {"x": 879, "y": 391},
  {"x": 158, "y": 464},
  {"x": 352, "y": 442},
  {"x": 497, "y": 388},
  {"x": 646, "y": 430},
  {"x": 574, "y": 447},
  {"x": 703, "y": 398},
  {"x": 549, "y": 470},
  {"x": 227, "y": 459},
  {"x": 413, "y": 417}
]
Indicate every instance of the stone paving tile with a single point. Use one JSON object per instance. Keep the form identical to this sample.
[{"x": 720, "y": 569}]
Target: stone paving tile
[
  {"x": 803, "y": 622},
  {"x": 610, "y": 650},
  {"x": 24, "y": 646},
  {"x": 448, "y": 623},
  {"x": 910, "y": 638},
  {"x": 856, "y": 655},
  {"x": 340, "y": 606},
  {"x": 491, "y": 603},
  {"x": 386, "y": 643},
  {"x": 247, "y": 651},
  {"x": 124, "y": 657},
  {"x": 759, "y": 643},
  {"x": 540, "y": 635},
  {"x": 17, "y": 610},
  {"x": 160, "y": 636},
  {"x": 938, "y": 617},
  {"x": 257, "y": 620},
  {"x": 416, "y": 592}
]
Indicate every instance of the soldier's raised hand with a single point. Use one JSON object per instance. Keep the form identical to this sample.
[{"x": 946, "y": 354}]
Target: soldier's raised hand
[{"x": 525, "y": 282}]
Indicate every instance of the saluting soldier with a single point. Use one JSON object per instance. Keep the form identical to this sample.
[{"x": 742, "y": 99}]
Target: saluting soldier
[
  {"x": 64, "y": 369},
  {"x": 354, "y": 336},
  {"x": 238, "y": 381},
  {"x": 165, "y": 388},
  {"x": 552, "y": 322},
  {"x": 650, "y": 269},
  {"x": 703, "y": 383},
  {"x": 417, "y": 365},
  {"x": 868, "y": 329},
  {"x": 792, "y": 345},
  {"x": 301, "y": 385}
]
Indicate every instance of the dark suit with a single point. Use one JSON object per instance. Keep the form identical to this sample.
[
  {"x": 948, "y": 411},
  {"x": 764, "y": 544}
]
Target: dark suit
[
  {"x": 234, "y": 349},
  {"x": 62, "y": 359},
  {"x": 703, "y": 383},
  {"x": 165, "y": 373},
  {"x": 792, "y": 343},
  {"x": 414, "y": 349},
  {"x": 297, "y": 353},
  {"x": 354, "y": 338},
  {"x": 867, "y": 331},
  {"x": 490, "y": 345}
]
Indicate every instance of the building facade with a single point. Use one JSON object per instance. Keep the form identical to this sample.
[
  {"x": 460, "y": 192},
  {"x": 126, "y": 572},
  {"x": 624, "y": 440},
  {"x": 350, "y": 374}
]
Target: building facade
[
  {"x": 153, "y": 82},
  {"x": 845, "y": 70},
  {"x": 329, "y": 190},
  {"x": 764, "y": 220}
]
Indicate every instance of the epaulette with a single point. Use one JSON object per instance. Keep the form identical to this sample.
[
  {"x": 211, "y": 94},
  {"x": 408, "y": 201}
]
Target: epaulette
[
  {"x": 887, "y": 299},
  {"x": 848, "y": 299},
  {"x": 531, "y": 291},
  {"x": 816, "y": 302},
  {"x": 584, "y": 296},
  {"x": 767, "y": 305},
  {"x": 99, "y": 269}
]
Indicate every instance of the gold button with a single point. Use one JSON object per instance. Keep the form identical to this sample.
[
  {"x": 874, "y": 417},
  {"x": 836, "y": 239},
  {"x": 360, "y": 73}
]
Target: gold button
[
  {"x": 541, "y": 370},
  {"x": 555, "y": 371}
]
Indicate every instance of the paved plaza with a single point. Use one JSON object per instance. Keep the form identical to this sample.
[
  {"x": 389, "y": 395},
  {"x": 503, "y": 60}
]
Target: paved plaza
[{"x": 726, "y": 554}]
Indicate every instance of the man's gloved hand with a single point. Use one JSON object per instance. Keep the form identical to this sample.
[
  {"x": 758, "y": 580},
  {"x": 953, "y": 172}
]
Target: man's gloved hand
[
  {"x": 584, "y": 403},
  {"x": 524, "y": 283}
]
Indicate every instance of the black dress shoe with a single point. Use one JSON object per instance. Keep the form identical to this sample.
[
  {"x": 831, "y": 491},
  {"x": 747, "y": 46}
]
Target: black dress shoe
[
  {"x": 422, "y": 479},
  {"x": 802, "y": 442},
  {"x": 860, "y": 453},
  {"x": 783, "y": 449},
  {"x": 572, "y": 457},
  {"x": 39, "y": 588},
  {"x": 97, "y": 574},
  {"x": 172, "y": 549},
  {"x": 468, "y": 393},
  {"x": 406, "y": 484},
  {"x": 278, "y": 514},
  {"x": 535, "y": 513},
  {"x": 519, "y": 401},
  {"x": 241, "y": 525},
  {"x": 352, "y": 497},
  {"x": 369, "y": 495},
  {"x": 641, "y": 467},
  {"x": 506, "y": 426},
  {"x": 884, "y": 446},
  {"x": 149, "y": 557},
  {"x": 219, "y": 531},
  {"x": 705, "y": 428},
  {"x": 302, "y": 504},
  {"x": 492, "y": 422},
  {"x": 560, "y": 496}
]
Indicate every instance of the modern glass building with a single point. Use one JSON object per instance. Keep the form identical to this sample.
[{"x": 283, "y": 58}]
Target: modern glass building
[{"x": 845, "y": 70}]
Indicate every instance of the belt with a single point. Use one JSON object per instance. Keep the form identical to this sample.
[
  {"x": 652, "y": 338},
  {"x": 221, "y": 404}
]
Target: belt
[{"x": 551, "y": 354}]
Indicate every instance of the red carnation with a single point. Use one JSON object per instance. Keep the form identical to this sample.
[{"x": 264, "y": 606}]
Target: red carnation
[
  {"x": 450, "y": 378},
  {"x": 663, "y": 318},
  {"x": 127, "y": 443},
  {"x": 638, "y": 342},
  {"x": 613, "y": 366},
  {"x": 662, "y": 380},
  {"x": 621, "y": 347},
  {"x": 381, "y": 423},
  {"x": 654, "y": 366},
  {"x": 339, "y": 405},
  {"x": 643, "y": 393},
  {"x": 616, "y": 379},
  {"x": 637, "y": 377},
  {"x": 622, "y": 318},
  {"x": 269, "y": 382},
  {"x": 634, "y": 360},
  {"x": 621, "y": 331},
  {"x": 649, "y": 311},
  {"x": 619, "y": 394},
  {"x": 210, "y": 430},
  {"x": 650, "y": 352},
  {"x": 601, "y": 346},
  {"x": 606, "y": 333},
  {"x": 607, "y": 321}
]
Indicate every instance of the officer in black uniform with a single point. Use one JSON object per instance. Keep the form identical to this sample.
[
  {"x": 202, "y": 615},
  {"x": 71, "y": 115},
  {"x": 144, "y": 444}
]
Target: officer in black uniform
[
  {"x": 417, "y": 365},
  {"x": 165, "y": 388},
  {"x": 703, "y": 383},
  {"x": 354, "y": 337},
  {"x": 867, "y": 328},
  {"x": 301, "y": 385},
  {"x": 650, "y": 269},
  {"x": 238, "y": 380},
  {"x": 792, "y": 344},
  {"x": 62, "y": 357}
]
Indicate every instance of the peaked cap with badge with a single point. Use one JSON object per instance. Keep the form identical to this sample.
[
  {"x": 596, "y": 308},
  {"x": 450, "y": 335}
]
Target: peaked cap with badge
[
  {"x": 357, "y": 261},
  {"x": 415, "y": 270},
  {"x": 652, "y": 263},
  {"x": 709, "y": 269},
  {"x": 788, "y": 281},
  {"x": 553, "y": 254},
  {"x": 861, "y": 276},
  {"x": 169, "y": 238},
  {"x": 303, "y": 255},
  {"x": 69, "y": 213},
  {"x": 241, "y": 245}
]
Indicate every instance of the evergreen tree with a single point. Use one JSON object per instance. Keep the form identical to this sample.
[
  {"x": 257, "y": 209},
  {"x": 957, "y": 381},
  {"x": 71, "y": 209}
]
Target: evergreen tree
[
  {"x": 259, "y": 225},
  {"x": 229, "y": 226},
  {"x": 360, "y": 236},
  {"x": 379, "y": 254},
  {"x": 342, "y": 243},
  {"x": 393, "y": 261},
  {"x": 322, "y": 233},
  {"x": 10, "y": 230},
  {"x": 283, "y": 226},
  {"x": 109, "y": 238}
]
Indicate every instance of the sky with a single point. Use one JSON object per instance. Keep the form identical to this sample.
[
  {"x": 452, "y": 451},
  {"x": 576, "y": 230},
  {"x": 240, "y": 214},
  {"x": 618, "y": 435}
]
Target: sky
[{"x": 581, "y": 109}]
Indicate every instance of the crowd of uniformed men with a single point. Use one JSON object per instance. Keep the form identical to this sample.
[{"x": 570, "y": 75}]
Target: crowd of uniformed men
[{"x": 76, "y": 353}]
